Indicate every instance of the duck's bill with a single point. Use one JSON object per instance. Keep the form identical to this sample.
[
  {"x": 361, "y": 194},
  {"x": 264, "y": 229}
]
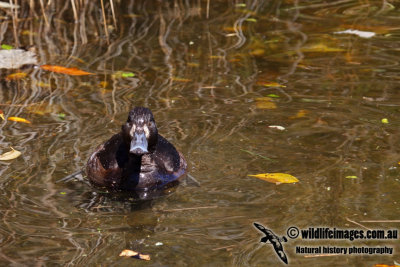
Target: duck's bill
[{"x": 139, "y": 145}]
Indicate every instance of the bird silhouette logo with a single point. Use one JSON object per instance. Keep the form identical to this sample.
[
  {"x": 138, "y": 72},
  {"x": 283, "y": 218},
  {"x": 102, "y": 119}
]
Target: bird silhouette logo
[{"x": 274, "y": 240}]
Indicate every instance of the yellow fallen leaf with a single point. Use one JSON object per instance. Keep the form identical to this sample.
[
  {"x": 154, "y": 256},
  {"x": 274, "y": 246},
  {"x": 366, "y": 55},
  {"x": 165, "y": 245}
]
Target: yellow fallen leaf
[
  {"x": 265, "y": 103},
  {"x": 10, "y": 154},
  {"x": 257, "y": 52},
  {"x": 182, "y": 80},
  {"x": 18, "y": 119},
  {"x": 131, "y": 253},
  {"x": 300, "y": 114},
  {"x": 44, "y": 108},
  {"x": 276, "y": 178},
  {"x": 16, "y": 76},
  {"x": 234, "y": 29},
  {"x": 27, "y": 32},
  {"x": 103, "y": 84},
  {"x": 270, "y": 84},
  {"x": 321, "y": 48},
  {"x": 193, "y": 64},
  {"x": 2, "y": 115},
  {"x": 216, "y": 57},
  {"x": 42, "y": 84}
]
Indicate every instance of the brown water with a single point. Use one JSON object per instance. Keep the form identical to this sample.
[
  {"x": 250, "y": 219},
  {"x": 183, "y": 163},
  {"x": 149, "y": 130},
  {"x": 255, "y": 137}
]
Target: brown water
[{"x": 201, "y": 71}]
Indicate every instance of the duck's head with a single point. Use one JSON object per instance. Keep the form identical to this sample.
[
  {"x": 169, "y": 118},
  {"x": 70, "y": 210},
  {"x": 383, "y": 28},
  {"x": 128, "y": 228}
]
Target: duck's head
[{"x": 140, "y": 131}]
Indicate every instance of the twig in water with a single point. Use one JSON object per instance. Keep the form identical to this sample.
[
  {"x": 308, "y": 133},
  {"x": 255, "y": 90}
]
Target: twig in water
[
  {"x": 359, "y": 224},
  {"x": 382, "y": 221},
  {"x": 255, "y": 154},
  {"x": 194, "y": 208},
  {"x": 197, "y": 183},
  {"x": 70, "y": 177},
  {"x": 225, "y": 247}
]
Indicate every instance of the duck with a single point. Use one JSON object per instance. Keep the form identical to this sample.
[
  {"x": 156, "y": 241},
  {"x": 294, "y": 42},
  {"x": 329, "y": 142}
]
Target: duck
[{"x": 137, "y": 158}]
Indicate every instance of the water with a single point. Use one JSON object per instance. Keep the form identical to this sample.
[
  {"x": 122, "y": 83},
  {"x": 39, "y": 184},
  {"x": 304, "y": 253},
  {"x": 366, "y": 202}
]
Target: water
[{"x": 201, "y": 75}]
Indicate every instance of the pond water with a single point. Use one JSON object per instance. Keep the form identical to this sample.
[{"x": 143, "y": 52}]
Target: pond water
[{"x": 217, "y": 75}]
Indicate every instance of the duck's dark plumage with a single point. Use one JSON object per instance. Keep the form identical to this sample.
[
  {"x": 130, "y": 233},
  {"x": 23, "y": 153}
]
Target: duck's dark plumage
[{"x": 137, "y": 158}]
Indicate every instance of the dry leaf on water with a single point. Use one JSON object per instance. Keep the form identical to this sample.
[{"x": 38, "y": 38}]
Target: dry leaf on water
[
  {"x": 10, "y": 154},
  {"x": 265, "y": 103},
  {"x": 131, "y": 253},
  {"x": 16, "y": 58},
  {"x": 16, "y": 76},
  {"x": 321, "y": 48},
  {"x": 65, "y": 70},
  {"x": 18, "y": 119},
  {"x": 270, "y": 84},
  {"x": 180, "y": 79},
  {"x": 300, "y": 114},
  {"x": 277, "y": 178}
]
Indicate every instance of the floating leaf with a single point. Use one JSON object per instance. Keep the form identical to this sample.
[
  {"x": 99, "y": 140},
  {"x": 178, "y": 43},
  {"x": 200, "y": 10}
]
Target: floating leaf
[
  {"x": 278, "y": 127},
  {"x": 385, "y": 120},
  {"x": 2, "y": 115},
  {"x": 134, "y": 254},
  {"x": 276, "y": 178},
  {"x": 193, "y": 64},
  {"x": 63, "y": 193},
  {"x": 273, "y": 95},
  {"x": 251, "y": 20},
  {"x": 44, "y": 108},
  {"x": 235, "y": 60},
  {"x": 362, "y": 34},
  {"x": 16, "y": 58},
  {"x": 42, "y": 84},
  {"x": 300, "y": 114},
  {"x": 321, "y": 48},
  {"x": 379, "y": 29},
  {"x": 28, "y": 32},
  {"x": 65, "y": 70},
  {"x": 351, "y": 177},
  {"x": 10, "y": 154},
  {"x": 18, "y": 119},
  {"x": 6, "y": 47},
  {"x": 16, "y": 76},
  {"x": 257, "y": 52},
  {"x": 265, "y": 103},
  {"x": 103, "y": 84},
  {"x": 182, "y": 80},
  {"x": 270, "y": 84},
  {"x": 128, "y": 74},
  {"x": 122, "y": 74},
  {"x": 234, "y": 29}
]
